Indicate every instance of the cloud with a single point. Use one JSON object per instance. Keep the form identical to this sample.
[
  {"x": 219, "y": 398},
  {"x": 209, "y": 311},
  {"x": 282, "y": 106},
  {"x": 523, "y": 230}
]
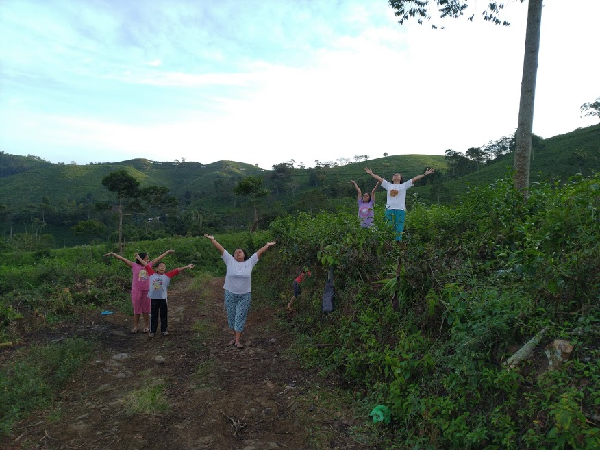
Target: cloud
[{"x": 266, "y": 81}]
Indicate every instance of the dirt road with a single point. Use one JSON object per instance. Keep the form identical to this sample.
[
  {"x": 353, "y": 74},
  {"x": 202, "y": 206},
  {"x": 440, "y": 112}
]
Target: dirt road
[{"x": 190, "y": 390}]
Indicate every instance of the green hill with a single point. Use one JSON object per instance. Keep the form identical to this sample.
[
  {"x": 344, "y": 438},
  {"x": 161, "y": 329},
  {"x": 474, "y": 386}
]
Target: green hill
[
  {"x": 557, "y": 159},
  {"x": 61, "y": 195}
]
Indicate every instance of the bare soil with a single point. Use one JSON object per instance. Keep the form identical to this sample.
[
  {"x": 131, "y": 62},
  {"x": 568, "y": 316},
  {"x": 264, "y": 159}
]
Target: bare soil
[{"x": 216, "y": 396}]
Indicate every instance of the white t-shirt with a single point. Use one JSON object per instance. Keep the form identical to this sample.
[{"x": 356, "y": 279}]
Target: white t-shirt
[
  {"x": 238, "y": 278},
  {"x": 396, "y": 194}
]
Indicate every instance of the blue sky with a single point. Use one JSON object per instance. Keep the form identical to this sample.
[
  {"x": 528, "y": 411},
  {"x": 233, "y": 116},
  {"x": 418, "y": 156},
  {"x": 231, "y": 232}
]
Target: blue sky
[{"x": 270, "y": 81}]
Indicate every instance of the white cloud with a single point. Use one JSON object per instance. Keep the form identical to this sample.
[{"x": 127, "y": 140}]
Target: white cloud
[{"x": 269, "y": 81}]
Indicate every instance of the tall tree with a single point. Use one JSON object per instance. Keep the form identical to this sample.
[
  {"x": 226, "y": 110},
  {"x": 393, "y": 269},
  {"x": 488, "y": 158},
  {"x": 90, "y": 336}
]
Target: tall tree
[
  {"x": 591, "y": 109},
  {"x": 282, "y": 175},
  {"x": 500, "y": 147},
  {"x": 126, "y": 187},
  {"x": 406, "y": 9},
  {"x": 477, "y": 155},
  {"x": 251, "y": 187},
  {"x": 525, "y": 124},
  {"x": 458, "y": 164}
]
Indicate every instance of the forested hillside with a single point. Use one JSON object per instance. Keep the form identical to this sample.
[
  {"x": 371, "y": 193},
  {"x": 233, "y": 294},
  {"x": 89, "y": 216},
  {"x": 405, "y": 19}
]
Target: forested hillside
[{"x": 53, "y": 205}]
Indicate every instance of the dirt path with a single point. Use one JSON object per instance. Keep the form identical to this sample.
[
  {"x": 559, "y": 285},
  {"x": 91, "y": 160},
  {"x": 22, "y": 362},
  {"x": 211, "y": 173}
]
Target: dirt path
[{"x": 205, "y": 395}]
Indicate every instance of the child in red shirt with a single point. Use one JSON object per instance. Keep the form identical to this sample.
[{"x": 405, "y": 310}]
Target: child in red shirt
[
  {"x": 157, "y": 293},
  {"x": 297, "y": 290}
]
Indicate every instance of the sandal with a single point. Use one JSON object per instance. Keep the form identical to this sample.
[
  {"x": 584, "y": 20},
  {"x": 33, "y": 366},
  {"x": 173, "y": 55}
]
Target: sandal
[
  {"x": 240, "y": 346},
  {"x": 134, "y": 330},
  {"x": 146, "y": 330},
  {"x": 231, "y": 342}
]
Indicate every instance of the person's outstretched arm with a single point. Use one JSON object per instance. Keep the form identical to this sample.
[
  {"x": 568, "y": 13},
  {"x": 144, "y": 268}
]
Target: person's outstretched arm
[
  {"x": 177, "y": 271},
  {"x": 357, "y": 189},
  {"x": 265, "y": 248},
  {"x": 427, "y": 172},
  {"x": 120, "y": 258},
  {"x": 377, "y": 177},
  {"x": 158, "y": 258},
  {"x": 373, "y": 191},
  {"x": 215, "y": 243}
]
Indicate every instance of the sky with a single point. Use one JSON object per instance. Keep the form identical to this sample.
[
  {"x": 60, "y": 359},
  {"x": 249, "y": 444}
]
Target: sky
[{"x": 271, "y": 81}]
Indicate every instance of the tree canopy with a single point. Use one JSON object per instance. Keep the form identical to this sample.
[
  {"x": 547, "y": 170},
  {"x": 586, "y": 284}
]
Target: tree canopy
[
  {"x": 423, "y": 10},
  {"x": 591, "y": 109}
]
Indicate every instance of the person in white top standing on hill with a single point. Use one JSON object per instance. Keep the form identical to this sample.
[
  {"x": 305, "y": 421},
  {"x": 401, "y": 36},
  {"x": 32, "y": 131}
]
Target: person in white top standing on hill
[
  {"x": 238, "y": 286},
  {"x": 395, "y": 207}
]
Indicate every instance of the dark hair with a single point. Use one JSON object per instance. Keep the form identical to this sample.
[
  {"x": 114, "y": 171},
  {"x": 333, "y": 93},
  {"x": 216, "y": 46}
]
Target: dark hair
[
  {"x": 366, "y": 193},
  {"x": 142, "y": 256},
  {"x": 246, "y": 257},
  {"x": 401, "y": 178}
]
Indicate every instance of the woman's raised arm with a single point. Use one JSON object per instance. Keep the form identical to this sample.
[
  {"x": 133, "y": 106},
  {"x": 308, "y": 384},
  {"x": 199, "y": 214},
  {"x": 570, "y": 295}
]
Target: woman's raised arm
[{"x": 215, "y": 243}]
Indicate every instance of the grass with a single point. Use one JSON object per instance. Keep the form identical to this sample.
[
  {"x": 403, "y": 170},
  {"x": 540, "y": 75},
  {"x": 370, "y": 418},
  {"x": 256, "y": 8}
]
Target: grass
[
  {"x": 203, "y": 329},
  {"x": 206, "y": 374},
  {"x": 147, "y": 400},
  {"x": 31, "y": 381},
  {"x": 54, "y": 413},
  {"x": 199, "y": 282},
  {"x": 124, "y": 305}
]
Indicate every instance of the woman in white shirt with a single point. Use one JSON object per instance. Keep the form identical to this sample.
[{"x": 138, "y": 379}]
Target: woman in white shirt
[
  {"x": 238, "y": 286},
  {"x": 395, "y": 207}
]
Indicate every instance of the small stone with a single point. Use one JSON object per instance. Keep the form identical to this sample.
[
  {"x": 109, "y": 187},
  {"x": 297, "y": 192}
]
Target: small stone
[
  {"x": 558, "y": 352},
  {"x": 159, "y": 359}
]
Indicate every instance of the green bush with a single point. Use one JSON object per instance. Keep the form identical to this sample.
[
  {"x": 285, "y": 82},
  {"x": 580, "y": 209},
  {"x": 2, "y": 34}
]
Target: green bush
[{"x": 477, "y": 280}]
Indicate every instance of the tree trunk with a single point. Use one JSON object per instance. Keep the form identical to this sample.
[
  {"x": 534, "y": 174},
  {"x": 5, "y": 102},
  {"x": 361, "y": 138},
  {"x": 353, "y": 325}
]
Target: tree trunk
[
  {"x": 525, "y": 125},
  {"x": 255, "y": 224},
  {"x": 524, "y": 352},
  {"x": 120, "y": 225}
]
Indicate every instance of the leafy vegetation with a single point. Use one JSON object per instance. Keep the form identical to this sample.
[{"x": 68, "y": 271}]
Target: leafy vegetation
[{"x": 476, "y": 279}]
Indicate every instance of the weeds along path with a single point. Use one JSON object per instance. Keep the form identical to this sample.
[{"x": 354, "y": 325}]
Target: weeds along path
[{"x": 189, "y": 390}]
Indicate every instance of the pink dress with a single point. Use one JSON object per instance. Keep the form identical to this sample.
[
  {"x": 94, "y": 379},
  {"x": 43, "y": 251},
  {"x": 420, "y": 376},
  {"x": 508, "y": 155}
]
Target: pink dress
[{"x": 139, "y": 289}]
